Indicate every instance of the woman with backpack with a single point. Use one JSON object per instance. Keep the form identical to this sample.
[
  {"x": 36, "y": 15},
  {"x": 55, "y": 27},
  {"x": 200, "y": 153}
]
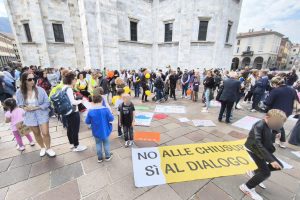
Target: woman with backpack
[
  {"x": 72, "y": 116},
  {"x": 34, "y": 100}
]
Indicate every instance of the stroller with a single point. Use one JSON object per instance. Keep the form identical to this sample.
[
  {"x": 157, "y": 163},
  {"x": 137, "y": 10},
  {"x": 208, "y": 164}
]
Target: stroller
[{"x": 165, "y": 94}]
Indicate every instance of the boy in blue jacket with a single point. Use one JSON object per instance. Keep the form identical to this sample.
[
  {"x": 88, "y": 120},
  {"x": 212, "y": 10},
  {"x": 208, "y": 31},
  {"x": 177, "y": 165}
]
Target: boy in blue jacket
[{"x": 100, "y": 119}]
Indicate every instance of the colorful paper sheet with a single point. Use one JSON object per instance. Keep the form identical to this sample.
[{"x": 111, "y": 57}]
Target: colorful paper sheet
[
  {"x": 147, "y": 136},
  {"x": 143, "y": 118}
]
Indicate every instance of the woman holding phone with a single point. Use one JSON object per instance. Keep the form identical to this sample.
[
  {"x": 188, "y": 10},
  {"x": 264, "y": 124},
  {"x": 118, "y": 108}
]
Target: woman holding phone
[{"x": 35, "y": 102}]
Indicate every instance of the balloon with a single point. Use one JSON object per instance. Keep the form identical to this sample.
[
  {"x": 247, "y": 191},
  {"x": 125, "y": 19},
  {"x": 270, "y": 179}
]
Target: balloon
[
  {"x": 189, "y": 92},
  {"x": 148, "y": 93},
  {"x": 110, "y": 74},
  {"x": 127, "y": 90},
  {"x": 115, "y": 99},
  {"x": 147, "y": 75}
]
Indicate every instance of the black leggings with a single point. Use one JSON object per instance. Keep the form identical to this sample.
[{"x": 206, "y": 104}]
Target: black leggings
[
  {"x": 263, "y": 171},
  {"x": 144, "y": 96},
  {"x": 73, "y": 121},
  {"x": 128, "y": 133}
]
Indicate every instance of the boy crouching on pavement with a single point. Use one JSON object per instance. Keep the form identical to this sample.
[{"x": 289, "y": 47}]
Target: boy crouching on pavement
[
  {"x": 260, "y": 146},
  {"x": 101, "y": 120}
]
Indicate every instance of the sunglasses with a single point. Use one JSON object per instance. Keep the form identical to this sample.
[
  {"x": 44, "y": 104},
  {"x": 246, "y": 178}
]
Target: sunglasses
[{"x": 30, "y": 79}]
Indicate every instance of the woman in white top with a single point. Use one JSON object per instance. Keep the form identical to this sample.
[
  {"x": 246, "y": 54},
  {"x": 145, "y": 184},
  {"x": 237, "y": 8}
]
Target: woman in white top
[
  {"x": 35, "y": 102},
  {"x": 73, "y": 117}
]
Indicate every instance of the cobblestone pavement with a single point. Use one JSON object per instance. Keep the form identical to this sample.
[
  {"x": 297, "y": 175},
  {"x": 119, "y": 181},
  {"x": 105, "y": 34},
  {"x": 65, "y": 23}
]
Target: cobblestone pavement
[{"x": 78, "y": 175}]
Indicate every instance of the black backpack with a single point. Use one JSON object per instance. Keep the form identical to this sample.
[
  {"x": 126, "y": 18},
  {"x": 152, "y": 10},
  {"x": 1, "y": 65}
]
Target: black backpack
[{"x": 61, "y": 102}]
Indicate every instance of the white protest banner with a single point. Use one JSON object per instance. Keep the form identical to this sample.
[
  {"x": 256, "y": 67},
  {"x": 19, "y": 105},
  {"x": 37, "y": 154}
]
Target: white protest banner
[
  {"x": 170, "y": 109},
  {"x": 246, "y": 122},
  {"x": 171, "y": 164},
  {"x": 183, "y": 119},
  {"x": 203, "y": 123}
]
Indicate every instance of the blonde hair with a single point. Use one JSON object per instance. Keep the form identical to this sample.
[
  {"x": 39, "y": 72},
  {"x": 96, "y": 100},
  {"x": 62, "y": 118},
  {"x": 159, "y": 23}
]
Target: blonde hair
[{"x": 277, "y": 114}]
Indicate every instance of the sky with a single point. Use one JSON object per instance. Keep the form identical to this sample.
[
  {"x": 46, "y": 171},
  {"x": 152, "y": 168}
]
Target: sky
[{"x": 279, "y": 15}]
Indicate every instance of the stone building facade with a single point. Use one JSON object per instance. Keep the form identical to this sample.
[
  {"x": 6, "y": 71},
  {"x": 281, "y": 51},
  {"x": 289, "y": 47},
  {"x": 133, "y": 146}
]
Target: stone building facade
[
  {"x": 7, "y": 53},
  {"x": 125, "y": 33},
  {"x": 257, "y": 49}
]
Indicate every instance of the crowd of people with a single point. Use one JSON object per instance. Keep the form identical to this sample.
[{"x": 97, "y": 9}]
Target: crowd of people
[{"x": 32, "y": 95}]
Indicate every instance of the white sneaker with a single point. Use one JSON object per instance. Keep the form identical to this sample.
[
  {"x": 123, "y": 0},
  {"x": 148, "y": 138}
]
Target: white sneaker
[
  {"x": 250, "y": 192},
  {"x": 281, "y": 145},
  {"x": 72, "y": 147},
  {"x": 131, "y": 143},
  {"x": 108, "y": 159},
  {"x": 126, "y": 144},
  {"x": 32, "y": 143},
  {"x": 22, "y": 148},
  {"x": 251, "y": 174},
  {"x": 253, "y": 110},
  {"x": 43, "y": 152},
  {"x": 80, "y": 148},
  {"x": 50, "y": 153},
  {"x": 205, "y": 110}
]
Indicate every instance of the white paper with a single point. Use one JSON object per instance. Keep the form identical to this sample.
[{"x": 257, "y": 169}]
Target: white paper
[
  {"x": 246, "y": 122},
  {"x": 184, "y": 119},
  {"x": 296, "y": 153},
  {"x": 170, "y": 109},
  {"x": 203, "y": 123},
  {"x": 285, "y": 164},
  {"x": 215, "y": 103}
]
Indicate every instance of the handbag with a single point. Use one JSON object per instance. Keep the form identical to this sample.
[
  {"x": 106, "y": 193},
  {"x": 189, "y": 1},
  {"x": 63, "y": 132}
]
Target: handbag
[
  {"x": 220, "y": 91},
  {"x": 23, "y": 129}
]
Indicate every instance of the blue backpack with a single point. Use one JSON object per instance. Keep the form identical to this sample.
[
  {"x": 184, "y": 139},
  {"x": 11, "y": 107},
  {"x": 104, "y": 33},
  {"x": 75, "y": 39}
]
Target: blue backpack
[{"x": 61, "y": 102}]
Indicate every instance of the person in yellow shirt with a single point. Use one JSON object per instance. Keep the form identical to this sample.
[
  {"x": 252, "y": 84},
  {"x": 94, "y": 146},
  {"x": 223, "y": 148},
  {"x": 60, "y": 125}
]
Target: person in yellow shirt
[
  {"x": 93, "y": 82},
  {"x": 82, "y": 85}
]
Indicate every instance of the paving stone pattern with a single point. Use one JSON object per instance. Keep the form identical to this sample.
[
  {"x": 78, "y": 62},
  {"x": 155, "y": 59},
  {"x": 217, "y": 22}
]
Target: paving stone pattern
[{"x": 72, "y": 175}]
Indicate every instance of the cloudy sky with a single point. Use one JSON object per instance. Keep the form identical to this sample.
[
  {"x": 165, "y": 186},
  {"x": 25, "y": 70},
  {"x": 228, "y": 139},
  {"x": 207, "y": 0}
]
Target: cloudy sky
[{"x": 280, "y": 15}]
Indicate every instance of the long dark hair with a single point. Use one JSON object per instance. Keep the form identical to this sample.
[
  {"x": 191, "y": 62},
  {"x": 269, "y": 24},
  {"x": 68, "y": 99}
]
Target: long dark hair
[{"x": 23, "y": 86}]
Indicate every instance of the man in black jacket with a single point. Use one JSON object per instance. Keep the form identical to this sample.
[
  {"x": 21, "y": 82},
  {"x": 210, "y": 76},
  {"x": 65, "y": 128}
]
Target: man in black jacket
[
  {"x": 230, "y": 93},
  {"x": 260, "y": 147}
]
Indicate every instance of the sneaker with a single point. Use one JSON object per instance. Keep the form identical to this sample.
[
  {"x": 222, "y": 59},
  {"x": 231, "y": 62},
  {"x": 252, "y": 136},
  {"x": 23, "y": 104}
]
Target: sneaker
[
  {"x": 251, "y": 174},
  {"x": 32, "y": 143},
  {"x": 250, "y": 192},
  {"x": 126, "y": 144},
  {"x": 281, "y": 145},
  {"x": 22, "y": 148},
  {"x": 131, "y": 143},
  {"x": 72, "y": 146},
  {"x": 108, "y": 159},
  {"x": 80, "y": 148},
  {"x": 253, "y": 110},
  {"x": 50, "y": 153},
  {"x": 43, "y": 152},
  {"x": 100, "y": 161}
]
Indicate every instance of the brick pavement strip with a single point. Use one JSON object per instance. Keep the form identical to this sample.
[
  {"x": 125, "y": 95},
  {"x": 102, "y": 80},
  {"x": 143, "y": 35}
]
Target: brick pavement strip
[{"x": 65, "y": 174}]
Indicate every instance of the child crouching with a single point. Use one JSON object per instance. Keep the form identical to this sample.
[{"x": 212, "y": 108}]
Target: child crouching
[
  {"x": 260, "y": 147},
  {"x": 100, "y": 119},
  {"x": 126, "y": 110}
]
